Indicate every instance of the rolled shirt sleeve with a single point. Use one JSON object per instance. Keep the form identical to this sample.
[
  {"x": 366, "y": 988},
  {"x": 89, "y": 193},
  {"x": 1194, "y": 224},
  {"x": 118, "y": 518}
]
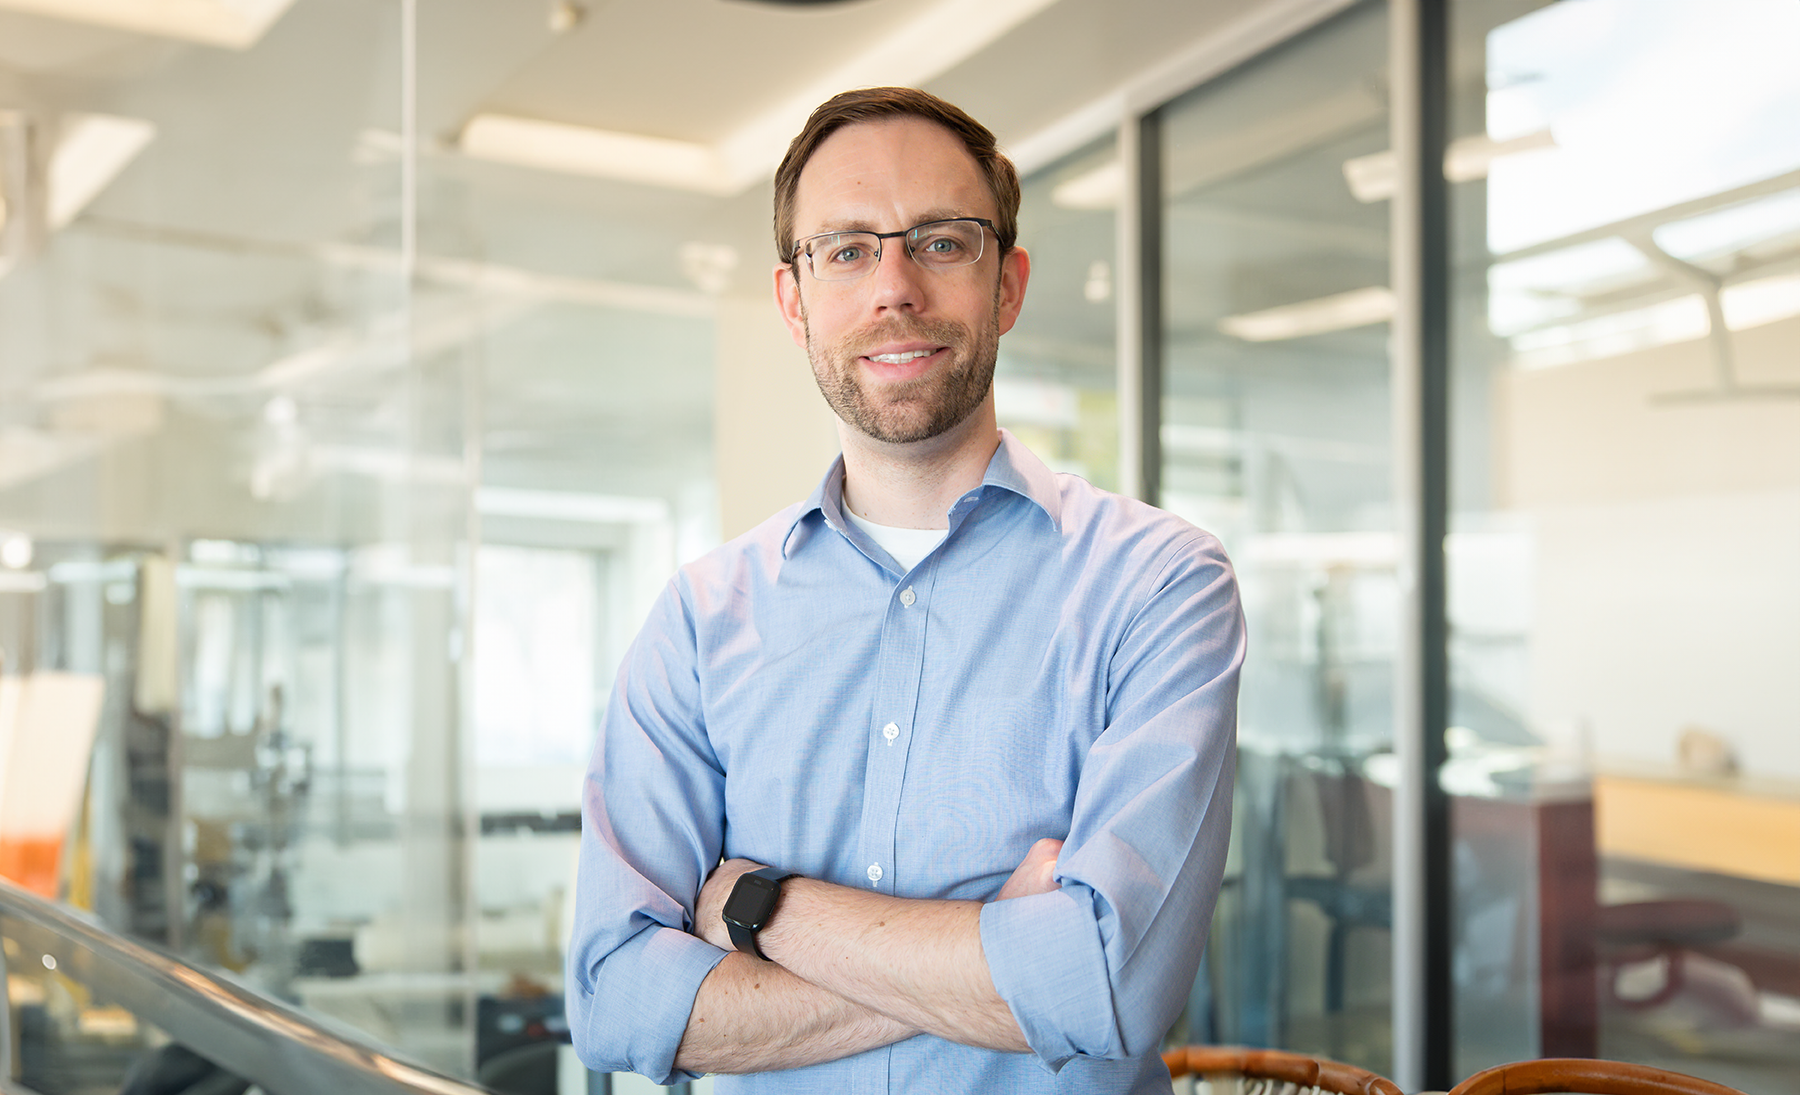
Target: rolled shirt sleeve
[
  {"x": 1101, "y": 967},
  {"x": 649, "y": 837}
]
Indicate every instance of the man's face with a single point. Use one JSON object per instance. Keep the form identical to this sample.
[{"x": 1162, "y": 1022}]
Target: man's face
[{"x": 903, "y": 354}]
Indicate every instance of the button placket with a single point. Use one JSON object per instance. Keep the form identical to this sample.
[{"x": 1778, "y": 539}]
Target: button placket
[{"x": 898, "y": 673}]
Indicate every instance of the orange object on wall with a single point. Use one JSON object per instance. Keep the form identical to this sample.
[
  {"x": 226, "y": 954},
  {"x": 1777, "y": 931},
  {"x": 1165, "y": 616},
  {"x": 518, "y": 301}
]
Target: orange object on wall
[
  {"x": 47, "y": 726},
  {"x": 31, "y": 863}
]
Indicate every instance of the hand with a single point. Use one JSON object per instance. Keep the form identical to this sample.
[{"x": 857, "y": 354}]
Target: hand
[
  {"x": 1035, "y": 873},
  {"x": 709, "y": 923}
]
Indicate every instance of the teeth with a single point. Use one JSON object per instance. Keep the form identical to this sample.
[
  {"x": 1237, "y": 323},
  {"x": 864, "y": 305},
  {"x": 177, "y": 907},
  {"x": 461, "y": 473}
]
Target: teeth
[{"x": 900, "y": 359}]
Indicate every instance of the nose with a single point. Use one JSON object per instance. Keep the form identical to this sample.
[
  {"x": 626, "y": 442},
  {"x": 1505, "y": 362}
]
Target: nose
[{"x": 897, "y": 282}]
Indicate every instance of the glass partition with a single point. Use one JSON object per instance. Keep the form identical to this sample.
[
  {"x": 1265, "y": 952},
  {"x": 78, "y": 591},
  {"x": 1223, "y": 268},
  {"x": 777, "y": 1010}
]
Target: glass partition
[
  {"x": 299, "y": 415},
  {"x": 1276, "y": 438},
  {"x": 593, "y": 373},
  {"x": 301, "y": 419},
  {"x": 1625, "y": 515},
  {"x": 235, "y": 493},
  {"x": 1056, "y": 382}
]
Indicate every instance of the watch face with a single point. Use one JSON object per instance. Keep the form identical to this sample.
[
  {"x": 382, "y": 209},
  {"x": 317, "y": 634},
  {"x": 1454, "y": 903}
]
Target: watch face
[{"x": 751, "y": 901}]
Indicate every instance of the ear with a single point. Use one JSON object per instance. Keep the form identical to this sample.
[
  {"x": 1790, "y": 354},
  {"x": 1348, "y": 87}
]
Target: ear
[
  {"x": 787, "y": 302},
  {"x": 1015, "y": 271}
]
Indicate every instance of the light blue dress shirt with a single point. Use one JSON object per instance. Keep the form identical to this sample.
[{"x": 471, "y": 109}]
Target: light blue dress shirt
[{"x": 1064, "y": 664}]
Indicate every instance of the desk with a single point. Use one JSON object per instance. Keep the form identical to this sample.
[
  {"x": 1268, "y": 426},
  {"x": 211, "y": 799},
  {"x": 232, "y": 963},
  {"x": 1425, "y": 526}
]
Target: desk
[
  {"x": 1748, "y": 828},
  {"x": 1551, "y": 833}
]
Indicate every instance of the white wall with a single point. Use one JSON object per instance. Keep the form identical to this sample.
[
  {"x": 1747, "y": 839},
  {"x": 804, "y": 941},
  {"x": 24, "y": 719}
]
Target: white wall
[
  {"x": 1667, "y": 548},
  {"x": 773, "y": 434}
]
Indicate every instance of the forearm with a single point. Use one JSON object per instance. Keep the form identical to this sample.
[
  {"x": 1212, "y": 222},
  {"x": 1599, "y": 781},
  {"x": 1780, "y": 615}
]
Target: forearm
[
  {"x": 918, "y": 962},
  {"x": 753, "y": 1016}
]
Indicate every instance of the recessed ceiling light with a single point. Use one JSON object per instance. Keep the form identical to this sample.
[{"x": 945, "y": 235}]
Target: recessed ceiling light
[
  {"x": 1736, "y": 227},
  {"x": 233, "y": 24},
  {"x": 91, "y": 150},
  {"x": 1340, "y": 312},
  {"x": 579, "y": 150},
  {"x": 566, "y": 15},
  {"x": 1371, "y": 178},
  {"x": 15, "y": 550},
  {"x": 1100, "y": 188}
]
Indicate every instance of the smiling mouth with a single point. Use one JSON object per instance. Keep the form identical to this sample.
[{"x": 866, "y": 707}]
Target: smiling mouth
[{"x": 900, "y": 359}]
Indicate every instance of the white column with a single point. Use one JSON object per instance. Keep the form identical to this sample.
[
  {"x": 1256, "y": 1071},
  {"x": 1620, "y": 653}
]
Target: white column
[{"x": 773, "y": 435}]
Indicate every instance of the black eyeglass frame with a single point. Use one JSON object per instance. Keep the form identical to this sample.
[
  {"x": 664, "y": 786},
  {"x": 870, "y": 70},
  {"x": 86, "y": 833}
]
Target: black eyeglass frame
[{"x": 880, "y": 249}]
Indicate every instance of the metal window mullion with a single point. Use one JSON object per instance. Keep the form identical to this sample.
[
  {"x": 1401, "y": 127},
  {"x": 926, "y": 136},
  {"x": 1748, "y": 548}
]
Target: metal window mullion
[
  {"x": 1138, "y": 288},
  {"x": 1420, "y": 273}
]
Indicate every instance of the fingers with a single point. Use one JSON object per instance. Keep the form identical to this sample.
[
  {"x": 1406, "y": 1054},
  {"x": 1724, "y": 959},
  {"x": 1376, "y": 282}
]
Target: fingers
[{"x": 1036, "y": 873}]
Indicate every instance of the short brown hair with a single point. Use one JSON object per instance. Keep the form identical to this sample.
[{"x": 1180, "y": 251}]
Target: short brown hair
[{"x": 878, "y": 104}]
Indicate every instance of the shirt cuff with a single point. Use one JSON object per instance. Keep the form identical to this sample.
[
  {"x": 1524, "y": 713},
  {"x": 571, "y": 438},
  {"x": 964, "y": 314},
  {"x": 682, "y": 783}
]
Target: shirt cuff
[
  {"x": 642, "y": 997},
  {"x": 1045, "y": 957}
]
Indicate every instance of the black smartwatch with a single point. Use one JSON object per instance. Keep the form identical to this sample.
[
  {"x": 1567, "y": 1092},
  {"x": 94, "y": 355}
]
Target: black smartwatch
[{"x": 751, "y": 904}]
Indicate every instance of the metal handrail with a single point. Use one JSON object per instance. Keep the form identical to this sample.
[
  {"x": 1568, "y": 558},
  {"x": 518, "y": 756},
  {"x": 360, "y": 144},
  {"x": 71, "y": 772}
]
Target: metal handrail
[{"x": 275, "y": 1046}]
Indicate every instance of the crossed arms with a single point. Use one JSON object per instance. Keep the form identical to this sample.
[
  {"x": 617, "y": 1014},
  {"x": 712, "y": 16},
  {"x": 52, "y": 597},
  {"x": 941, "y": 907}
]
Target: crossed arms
[{"x": 849, "y": 971}]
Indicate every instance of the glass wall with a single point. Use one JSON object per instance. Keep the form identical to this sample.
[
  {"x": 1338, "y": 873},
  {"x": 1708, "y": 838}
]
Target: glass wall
[
  {"x": 1625, "y": 527},
  {"x": 236, "y": 469},
  {"x": 1056, "y": 383},
  {"x": 1275, "y": 437},
  {"x": 335, "y": 474}
]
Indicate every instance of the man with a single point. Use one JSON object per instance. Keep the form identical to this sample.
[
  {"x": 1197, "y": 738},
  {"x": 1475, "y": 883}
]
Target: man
[{"x": 982, "y": 714}]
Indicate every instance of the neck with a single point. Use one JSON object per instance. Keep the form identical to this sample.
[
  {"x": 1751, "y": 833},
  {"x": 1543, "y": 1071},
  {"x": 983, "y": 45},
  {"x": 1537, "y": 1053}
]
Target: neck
[{"x": 913, "y": 485}]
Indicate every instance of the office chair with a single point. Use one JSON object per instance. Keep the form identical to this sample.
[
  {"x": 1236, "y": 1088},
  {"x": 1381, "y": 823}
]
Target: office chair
[
  {"x": 1273, "y": 1066},
  {"x": 1582, "y": 1076},
  {"x": 1352, "y": 836},
  {"x": 1659, "y": 929}
]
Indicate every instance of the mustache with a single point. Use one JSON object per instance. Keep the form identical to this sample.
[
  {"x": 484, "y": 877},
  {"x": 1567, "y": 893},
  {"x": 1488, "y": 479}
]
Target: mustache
[{"x": 942, "y": 332}]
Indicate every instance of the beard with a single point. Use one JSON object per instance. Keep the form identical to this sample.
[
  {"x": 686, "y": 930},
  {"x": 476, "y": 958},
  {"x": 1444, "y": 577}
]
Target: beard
[{"x": 912, "y": 410}]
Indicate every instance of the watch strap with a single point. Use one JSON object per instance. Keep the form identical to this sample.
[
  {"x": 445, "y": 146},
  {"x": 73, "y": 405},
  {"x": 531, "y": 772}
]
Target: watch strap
[{"x": 745, "y": 940}]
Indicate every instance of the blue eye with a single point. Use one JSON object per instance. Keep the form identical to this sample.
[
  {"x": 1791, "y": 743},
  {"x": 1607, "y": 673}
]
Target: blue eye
[
  {"x": 841, "y": 253},
  {"x": 945, "y": 244}
]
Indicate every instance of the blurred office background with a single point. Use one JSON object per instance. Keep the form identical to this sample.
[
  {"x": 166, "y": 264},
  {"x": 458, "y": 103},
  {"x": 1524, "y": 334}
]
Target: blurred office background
[{"x": 366, "y": 366}]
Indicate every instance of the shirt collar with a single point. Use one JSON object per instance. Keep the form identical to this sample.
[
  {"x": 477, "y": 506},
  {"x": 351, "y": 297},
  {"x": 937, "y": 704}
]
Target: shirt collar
[
  {"x": 1017, "y": 469},
  {"x": 1013, "y": 468}
]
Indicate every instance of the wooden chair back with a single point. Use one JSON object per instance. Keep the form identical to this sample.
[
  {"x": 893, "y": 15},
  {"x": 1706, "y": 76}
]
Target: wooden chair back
[
  {"x": 1580, "y": 1076},
  {"x": 1280, "y": 1066}
]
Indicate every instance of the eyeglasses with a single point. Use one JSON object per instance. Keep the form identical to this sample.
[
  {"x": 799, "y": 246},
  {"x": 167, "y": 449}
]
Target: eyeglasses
[{"x": 935, "y": 245}]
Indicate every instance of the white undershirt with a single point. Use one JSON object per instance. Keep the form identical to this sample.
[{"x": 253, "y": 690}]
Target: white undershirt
[{"x": 907, "y": 545}]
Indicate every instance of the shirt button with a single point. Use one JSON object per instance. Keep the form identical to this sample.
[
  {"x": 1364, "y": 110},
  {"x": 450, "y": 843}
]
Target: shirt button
[
  {"x": 890, "y": 731},
  {"x": 874, "y": 872},
  {"x": 907, "y": 597}
]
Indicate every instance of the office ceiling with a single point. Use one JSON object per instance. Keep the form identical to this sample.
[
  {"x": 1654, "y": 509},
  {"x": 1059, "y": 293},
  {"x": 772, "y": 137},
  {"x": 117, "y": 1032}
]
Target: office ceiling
[
  {"x": 689, "y": 70},
  {"x": 700, "y": 70},
  {"x": 228, "y": 289}
]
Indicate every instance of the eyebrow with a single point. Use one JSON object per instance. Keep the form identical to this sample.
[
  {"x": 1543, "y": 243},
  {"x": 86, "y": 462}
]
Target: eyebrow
[{"x": 857, "y": 224}]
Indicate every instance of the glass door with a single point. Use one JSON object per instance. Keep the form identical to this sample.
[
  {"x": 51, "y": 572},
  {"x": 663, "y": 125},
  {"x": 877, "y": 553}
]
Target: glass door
[
  {"x": 1625, "y": 523},
  {"x": 1275, "y": 437}
]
